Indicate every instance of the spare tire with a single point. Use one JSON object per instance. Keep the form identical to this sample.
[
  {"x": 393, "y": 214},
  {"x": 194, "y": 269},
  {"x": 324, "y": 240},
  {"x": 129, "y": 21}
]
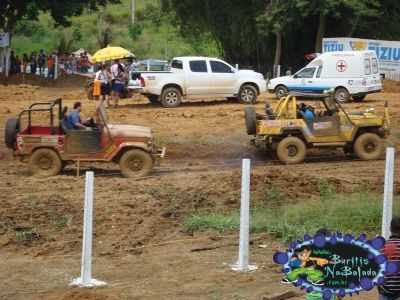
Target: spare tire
[
  {"x": 250, "y": 116},
  {"x": 11, "y": 131}
]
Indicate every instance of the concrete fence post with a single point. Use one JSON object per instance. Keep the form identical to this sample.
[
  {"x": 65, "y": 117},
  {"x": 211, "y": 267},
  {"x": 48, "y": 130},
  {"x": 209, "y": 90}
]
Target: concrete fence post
[
  {"x": 86, "y": 279},
  {"x": 388, "y": 192},
  {"x": 244, "y": 236}
]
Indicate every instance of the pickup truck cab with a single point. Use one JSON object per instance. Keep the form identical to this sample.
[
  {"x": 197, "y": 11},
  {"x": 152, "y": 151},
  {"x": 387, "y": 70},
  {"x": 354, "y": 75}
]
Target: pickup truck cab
[
  {"x": 202, "y": 77},
  {"x": 351, "y": 74}
]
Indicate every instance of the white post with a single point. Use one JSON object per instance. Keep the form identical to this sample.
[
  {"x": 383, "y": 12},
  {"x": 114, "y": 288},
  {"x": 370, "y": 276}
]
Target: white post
[
  {"x": 7, "y": 66},
  {"x": 133, "y": 8},
  {"x": 86, "y": 279},
  {"x": 243, "y": 259},
  {"x": 388, "y": 193}
]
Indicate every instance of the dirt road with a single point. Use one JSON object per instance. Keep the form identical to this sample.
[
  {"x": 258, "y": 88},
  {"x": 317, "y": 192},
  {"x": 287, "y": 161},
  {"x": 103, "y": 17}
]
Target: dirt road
[{"x": 140, "y": 248}]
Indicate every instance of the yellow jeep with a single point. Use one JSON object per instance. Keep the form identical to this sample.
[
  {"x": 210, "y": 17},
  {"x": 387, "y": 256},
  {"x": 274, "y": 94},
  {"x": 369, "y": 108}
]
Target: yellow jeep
[{"x": 292, "y": 127}]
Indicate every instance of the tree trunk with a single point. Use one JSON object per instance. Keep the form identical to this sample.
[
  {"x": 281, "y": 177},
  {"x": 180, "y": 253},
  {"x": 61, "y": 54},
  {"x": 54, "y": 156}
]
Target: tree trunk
[
  {"x": 320, "y": 33},
  {"x": 278, "y": 48}
]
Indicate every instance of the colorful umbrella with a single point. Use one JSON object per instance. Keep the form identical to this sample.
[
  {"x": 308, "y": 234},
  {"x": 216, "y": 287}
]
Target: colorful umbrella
[{"x": 111, "y": 53}]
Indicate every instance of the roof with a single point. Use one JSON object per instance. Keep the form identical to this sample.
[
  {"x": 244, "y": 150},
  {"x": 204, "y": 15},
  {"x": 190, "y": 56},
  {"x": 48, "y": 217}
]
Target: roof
[{"x": 195, "y": 58}]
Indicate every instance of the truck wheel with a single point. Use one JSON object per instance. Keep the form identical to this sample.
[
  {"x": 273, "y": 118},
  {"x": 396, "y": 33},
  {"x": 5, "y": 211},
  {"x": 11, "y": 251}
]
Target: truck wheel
[
  {"x": 281, "y": 91},
  {"x": 136, "y": 163},
  {"x": 153, "y": 99},
  {"x": 248, "y": 94},
  {"x": 291, "y": 150},
  {"x": 250, "y": 117},
  {"x": 342, "y": 95},
  {"x": 45, "y": 163},
  {"x": 359, "y": 98},
  {"x": 369, "y": 146},
  {"x": 10, "y": 133},
  {"x": 171, "y": 97}
]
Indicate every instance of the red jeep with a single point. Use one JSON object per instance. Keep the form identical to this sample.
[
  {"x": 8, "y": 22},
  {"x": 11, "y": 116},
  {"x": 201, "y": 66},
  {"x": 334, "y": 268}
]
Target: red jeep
[{"x": 49, "y": 148}]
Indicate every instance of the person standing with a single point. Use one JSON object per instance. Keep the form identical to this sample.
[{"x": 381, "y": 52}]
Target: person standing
[
  {"x": 41, "y": 62},
  {"x": 118, "y": 81},
  {"x": 50, "y": 67},
  {"x": 25, "y": 61},
  {"x": 390, "y": 290},
  {"x": 103, "y": 76},
  {"x": 33, "y": 63}
]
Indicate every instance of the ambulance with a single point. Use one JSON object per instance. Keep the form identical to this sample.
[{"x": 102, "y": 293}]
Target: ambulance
[{"x": 351, "y": 74}]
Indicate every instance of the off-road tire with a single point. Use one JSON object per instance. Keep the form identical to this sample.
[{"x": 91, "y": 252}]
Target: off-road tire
[
  {"x": 291, "y": 150},
  {"x": 136, "y": 163},
  {"x": 342, "y": 95},
  {"x": 359, "y": 98},
  {"x": 10, "y": 133},
  {"x": 281, "y": 91},
  {"x": 250, "y": 117},
  {"x": 171, "y": 97},
  {"x": 45, "y": 163},
  {"x": 248, "y": 94},
  {"x": 369, "y": 146},
  {"x": 153, "y": 99}
]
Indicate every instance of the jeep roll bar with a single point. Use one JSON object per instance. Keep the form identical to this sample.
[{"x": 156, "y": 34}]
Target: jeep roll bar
[{"x": 49, "y": 107}]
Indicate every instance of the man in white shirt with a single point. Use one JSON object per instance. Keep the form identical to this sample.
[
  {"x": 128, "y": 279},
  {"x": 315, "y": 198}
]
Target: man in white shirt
[{"x": 104, "y": 76}]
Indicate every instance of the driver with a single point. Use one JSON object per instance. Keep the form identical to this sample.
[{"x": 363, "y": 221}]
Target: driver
[
  {"x": 74, "y": 119},
  {"x": 307, "y": 113}
]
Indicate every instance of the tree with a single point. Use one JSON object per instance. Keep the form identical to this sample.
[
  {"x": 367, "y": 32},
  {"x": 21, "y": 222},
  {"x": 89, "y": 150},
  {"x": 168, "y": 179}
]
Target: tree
[{"x": 11, "y": 11}]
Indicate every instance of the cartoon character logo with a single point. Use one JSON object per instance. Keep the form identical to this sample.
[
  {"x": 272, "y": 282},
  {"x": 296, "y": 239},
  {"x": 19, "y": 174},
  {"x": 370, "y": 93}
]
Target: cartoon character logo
[
  {"x": 358, "y": 45},
  {"x": 306, "y": 266}
]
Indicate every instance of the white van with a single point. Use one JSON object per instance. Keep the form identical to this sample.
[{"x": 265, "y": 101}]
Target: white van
[{"x": 352, "y": 74}]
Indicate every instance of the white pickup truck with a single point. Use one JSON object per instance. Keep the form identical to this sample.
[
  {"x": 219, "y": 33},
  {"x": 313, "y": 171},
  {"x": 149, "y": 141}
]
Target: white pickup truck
[{"x": 202, "y": 77}]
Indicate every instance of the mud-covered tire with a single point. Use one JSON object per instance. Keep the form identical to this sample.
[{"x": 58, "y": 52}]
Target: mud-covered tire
[
  {"x": 359, "y": 98},
  {"x": 153, "y": 99},
  {"x": 136, "y": 163},
  {"x": 291, "y": 150},
  {"x": 45, "y": 163},
  {"x": 248, "y": 94},
  {"x": 10, "y": 133},
  {"x": 171, "y": 97},
  {"x": 250, "y": 117},
  {"x": 342, "y": 95},
  {"x": 281, "y": 91},
  {"x": 369, "y": 146}
]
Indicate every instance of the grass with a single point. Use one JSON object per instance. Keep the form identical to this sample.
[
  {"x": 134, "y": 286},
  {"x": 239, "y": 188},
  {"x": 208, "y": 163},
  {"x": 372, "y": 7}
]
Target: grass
[{"x": 356, "y": 213}]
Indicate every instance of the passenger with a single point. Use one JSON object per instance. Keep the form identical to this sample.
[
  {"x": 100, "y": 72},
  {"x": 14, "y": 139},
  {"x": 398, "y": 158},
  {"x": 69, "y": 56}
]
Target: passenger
[
  {"x": 74, "y": 118},
  {"x": 390, "y": 290},
  {"x": 307, "y": 114},
  {"x": 269, "y": 111}
]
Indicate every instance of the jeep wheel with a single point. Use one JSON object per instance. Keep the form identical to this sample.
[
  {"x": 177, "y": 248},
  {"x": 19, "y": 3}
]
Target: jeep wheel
[
  {"x": 342, "y": 95},
  {"x": 248, "y": 94},
  {"x": 369, "y": 146},
  {"x": 291, "y": 150},
  {"x": 10, "y": 133},
  {"x": 136, "y": 163},
  {"x": 171, "y": 97},
  {"x": 250, "y": 117},
  {"x": 45, "y": 163},
  {"x": 281, "y": 91}
]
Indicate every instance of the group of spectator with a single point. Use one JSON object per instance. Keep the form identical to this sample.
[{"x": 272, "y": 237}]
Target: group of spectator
[{"x": 43, "y": 64}]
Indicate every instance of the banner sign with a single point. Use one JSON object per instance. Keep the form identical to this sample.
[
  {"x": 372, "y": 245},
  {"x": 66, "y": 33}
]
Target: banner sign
[
  {"x": 4, "y": 39},
  {"x": 388, "y": 52},
  {"x": 335, "y": 265}
]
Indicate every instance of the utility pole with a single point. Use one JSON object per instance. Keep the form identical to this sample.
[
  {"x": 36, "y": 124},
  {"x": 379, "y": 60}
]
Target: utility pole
[{"x": 133, "y": 11}]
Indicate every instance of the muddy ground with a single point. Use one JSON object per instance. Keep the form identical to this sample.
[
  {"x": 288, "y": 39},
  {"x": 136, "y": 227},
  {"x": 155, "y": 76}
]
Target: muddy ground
[{"x": 140, "y": 246}]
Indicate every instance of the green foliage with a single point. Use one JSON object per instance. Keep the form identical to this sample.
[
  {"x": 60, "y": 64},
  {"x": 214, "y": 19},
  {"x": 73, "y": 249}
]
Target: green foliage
[{"x": 355, "y": 213}]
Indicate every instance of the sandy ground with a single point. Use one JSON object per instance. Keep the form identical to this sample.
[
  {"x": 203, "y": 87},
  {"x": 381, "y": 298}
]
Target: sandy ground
[{"x": 140, "y": 247}]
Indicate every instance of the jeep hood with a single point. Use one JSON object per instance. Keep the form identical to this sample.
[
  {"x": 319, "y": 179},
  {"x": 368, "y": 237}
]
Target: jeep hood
[{"x": 130, "y": 131}]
